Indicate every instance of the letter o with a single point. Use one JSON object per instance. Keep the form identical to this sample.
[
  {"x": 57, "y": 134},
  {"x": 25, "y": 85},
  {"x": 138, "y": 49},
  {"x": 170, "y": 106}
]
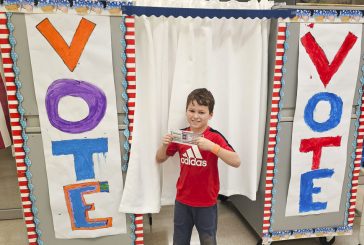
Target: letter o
[
  {"x": 92, "y": 95},
  {"x": 336, "y": 109}
]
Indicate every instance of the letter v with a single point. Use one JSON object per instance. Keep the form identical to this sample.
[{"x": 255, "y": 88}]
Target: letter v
[
  {"x": 69, "y": 54},
  {"x": 319, "y": 59}
]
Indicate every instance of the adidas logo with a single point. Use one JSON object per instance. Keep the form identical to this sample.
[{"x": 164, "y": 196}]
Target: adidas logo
[{"x": 193, "y": 157}]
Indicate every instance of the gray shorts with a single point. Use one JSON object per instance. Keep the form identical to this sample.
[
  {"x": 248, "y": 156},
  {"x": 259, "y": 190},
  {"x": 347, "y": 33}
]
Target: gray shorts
[{"x": 204, "y": 218}]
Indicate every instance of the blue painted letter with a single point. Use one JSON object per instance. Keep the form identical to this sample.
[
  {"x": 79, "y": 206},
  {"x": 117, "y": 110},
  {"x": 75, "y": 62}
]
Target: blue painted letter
[
  {"x": 307, "y": 190},
  {"x": 336, "y": 110},
  {"x": 78, "y": 208},
  {"x": 82, "y": 151}
]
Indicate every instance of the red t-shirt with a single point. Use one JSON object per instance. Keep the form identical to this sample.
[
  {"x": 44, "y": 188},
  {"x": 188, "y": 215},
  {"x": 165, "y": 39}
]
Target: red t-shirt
[{"x": 198, "y": 184}]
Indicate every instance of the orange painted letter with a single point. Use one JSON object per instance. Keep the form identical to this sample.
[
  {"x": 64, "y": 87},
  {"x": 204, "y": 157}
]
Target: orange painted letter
[{"x": 72, "y": 53}]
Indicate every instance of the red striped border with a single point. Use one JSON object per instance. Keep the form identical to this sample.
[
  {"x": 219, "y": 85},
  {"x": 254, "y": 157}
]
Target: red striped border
[
  {"x": 273, "y": 123},
  {"x": 357, "y": 163},
  {"x": 139, "y": 232},
  {"x": 130, "y": 68},
  {"x": 131, "y": 92},
  {"x": 16, "y": 130}
]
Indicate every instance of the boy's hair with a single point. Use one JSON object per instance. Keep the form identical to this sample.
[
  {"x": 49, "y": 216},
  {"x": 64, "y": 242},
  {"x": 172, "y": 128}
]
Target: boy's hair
[{"x": 203, "y": 97}]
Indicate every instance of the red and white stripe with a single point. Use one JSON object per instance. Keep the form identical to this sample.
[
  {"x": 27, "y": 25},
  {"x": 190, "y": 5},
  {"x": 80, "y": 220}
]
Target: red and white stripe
[
  {"x": 273, "y": 122},
  {"x": 16, "y": 130},
  {"x": 131, "y": 92},
  {"x": 139, "y": 232},
  {"x": 357, "y": 163},
  {"x": 130, "y": 68}
]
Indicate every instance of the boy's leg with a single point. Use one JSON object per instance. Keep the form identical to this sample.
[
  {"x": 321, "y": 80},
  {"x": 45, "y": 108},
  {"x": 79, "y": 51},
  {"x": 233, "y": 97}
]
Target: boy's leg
[
  {"x": 206, "y": 223},
  {"x": 183, "y": 224}
]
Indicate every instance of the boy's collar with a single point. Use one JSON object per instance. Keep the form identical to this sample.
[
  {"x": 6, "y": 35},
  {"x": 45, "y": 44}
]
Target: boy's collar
[{"x": 208, "y": 128}]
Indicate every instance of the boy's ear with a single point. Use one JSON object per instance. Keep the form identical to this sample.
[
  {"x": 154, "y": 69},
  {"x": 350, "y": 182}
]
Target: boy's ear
[{"x": 211, "y": 114}]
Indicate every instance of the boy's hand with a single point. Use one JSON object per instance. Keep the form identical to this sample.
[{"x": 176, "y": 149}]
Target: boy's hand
[
  {"x": 161, "y": 155},
  {"x": 167, "y": 139},
  {"x": 204, "y": 144}
]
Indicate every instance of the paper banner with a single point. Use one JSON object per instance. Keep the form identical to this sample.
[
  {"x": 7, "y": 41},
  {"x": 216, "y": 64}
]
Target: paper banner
[
  {"x": 328, "y": 66},
  {"x": 73, "y": 79}
]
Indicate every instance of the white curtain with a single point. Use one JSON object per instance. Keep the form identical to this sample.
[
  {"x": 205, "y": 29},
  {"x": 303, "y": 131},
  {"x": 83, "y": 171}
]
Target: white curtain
[{"x": 175, "y": 56}]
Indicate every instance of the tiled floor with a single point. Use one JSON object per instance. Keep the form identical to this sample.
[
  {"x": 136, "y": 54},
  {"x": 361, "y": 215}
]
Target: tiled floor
[{"x": 12, "y": 232}]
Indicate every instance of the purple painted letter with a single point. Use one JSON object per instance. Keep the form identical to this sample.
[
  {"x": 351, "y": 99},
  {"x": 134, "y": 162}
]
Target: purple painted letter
[{"x": 92, "y": 95}]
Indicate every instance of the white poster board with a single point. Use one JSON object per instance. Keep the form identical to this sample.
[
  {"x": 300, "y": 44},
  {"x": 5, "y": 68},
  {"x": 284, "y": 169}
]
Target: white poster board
[
  {"x": 329, "y": 56},
  {"x": 74, "y": 84}
]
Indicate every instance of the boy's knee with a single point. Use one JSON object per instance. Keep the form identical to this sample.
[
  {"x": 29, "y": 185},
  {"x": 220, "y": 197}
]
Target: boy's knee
[{"x": 207, "y": 239}]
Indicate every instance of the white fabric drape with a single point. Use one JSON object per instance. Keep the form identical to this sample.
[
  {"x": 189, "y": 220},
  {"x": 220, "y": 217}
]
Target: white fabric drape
[
  {"x": 155, "y": 55},
  {"x": 175, "y": 56}
]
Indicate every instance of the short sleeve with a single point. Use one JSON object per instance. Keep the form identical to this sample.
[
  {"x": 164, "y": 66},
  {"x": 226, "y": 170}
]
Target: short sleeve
[
  {"x": 223, "y": 143},
  {"x": 172, "y": 149}
]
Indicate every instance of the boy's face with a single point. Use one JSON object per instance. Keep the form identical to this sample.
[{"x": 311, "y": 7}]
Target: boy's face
[{"x": 198, "y": 116}]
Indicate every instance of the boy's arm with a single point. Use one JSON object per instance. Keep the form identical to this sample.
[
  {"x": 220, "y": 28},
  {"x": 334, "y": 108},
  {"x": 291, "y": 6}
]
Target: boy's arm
[
  {"x": 161, "y": 155},
  {"x": 229, "y": 157}
]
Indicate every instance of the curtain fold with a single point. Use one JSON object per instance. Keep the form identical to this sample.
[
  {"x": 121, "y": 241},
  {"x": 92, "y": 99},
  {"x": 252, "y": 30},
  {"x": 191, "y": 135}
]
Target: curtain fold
[
  {"x": 155, "y": 45},
  {"x": 175, "y": 56}
]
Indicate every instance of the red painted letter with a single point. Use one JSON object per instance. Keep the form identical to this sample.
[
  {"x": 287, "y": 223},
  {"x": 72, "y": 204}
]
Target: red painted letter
[
  {"x": 319, "y": 59},
  {"x": 315, "y": 145}
]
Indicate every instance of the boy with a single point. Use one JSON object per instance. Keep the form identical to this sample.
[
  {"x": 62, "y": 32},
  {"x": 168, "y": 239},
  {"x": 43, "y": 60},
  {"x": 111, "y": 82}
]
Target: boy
[{"x": 198, "y": 184}]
